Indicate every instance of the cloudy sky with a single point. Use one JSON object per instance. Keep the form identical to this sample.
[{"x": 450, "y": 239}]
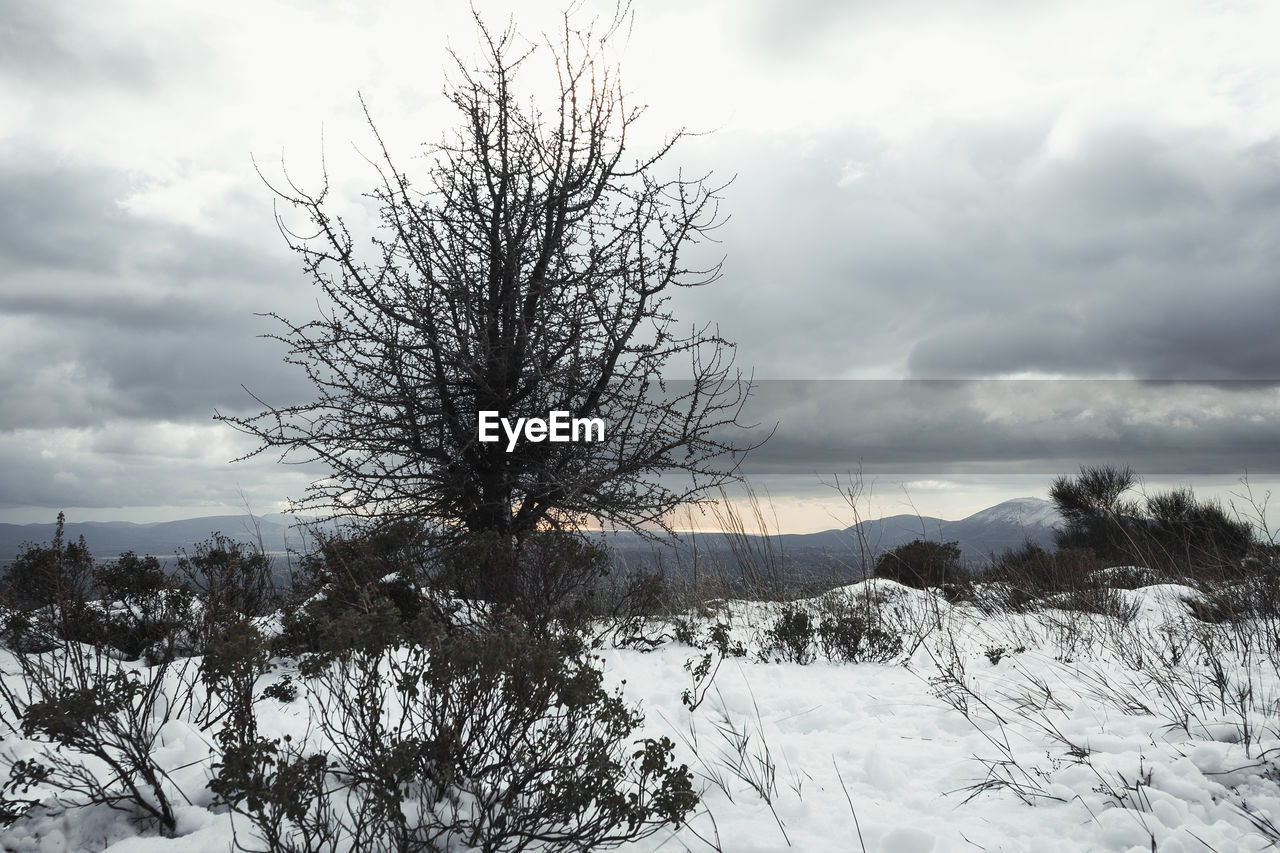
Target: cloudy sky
[{"x": 982, "y": 190}]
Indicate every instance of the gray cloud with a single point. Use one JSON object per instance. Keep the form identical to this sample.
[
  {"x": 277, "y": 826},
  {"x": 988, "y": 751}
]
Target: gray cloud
[
  {"x": 113, "y": 315},
  {"x": 947, "y": 428},
  {"x": 59, "y": 45},
  {"x": 82, "y": 371},
  {"x": 60, "y": 218},
  {"x": 123, "y": 464},
  {"x": 1144, "y": 252},
  {"x": 65, "y": 218}
]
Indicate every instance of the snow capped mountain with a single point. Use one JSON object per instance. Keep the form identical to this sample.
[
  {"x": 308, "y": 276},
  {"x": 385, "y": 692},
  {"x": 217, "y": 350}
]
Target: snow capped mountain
[
  {"x": 1006, "y": 525},
  {"x": 1027, "y": 512}
]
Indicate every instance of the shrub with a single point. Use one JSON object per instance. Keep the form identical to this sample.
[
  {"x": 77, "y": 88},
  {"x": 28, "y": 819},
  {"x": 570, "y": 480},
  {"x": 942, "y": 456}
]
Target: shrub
[
  {"x": 98, "y": 722},
  {"x": 921, "y": 563},
  {"x": 630, "y": 610},
  {"x": 48, "y": 587},
  {"x": 1103, "y": 601},
  {"x": 1123, "y": 577},
  {"x": 382, "y": 560},
  {"x": 1195, "y": 536},
  {"x": 231, "y": 580},
  {"x": 1173, "y": 532},
  {"x": 1032, "y": 570},
  {"x": 479, "y": 567},
  {"x": 558, "y": 581},
  {"x": 1096, "y": 515},
  {"x": 283, "y": 791},
  {"x": 54, "y": 574},
  {"x": 364, "y": 581},
  {"x": 235, "y": 658},
  {"x": 1254, "y": 597},
  {"x": 790, "y": 638},
  {"x": 854, "y": 638},
  {"x": 549, "y": 579},
  {"x": 145, "y": 613},
  {"x": 494, "y": 741}
]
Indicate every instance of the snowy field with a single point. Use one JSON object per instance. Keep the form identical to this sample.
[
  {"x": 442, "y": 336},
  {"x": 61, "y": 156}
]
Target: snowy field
[{"x": 987, "y": 729}]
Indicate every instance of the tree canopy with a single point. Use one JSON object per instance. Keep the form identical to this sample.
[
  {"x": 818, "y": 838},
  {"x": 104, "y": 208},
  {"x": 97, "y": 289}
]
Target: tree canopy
[{"x": 526, "y": 269}]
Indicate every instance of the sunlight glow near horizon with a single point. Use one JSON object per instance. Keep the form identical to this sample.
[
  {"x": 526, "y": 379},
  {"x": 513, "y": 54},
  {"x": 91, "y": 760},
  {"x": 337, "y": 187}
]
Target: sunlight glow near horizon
[{"x": 781, "y": 510}]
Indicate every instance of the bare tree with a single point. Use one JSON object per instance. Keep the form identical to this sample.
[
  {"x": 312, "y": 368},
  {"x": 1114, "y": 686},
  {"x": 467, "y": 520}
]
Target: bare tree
[{"x": 532, "y": 273}]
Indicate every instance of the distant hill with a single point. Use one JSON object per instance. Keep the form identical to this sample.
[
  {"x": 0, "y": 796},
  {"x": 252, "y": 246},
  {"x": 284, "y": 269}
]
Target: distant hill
[
  {"x": 109, "y": 539},
  {"x": 839, "y": 551},
  {"x": 842, "y": 551}
]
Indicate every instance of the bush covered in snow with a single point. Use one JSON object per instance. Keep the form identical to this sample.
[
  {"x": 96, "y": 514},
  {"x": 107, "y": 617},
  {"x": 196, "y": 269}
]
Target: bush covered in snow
[
  {"x": 431, "y": 721},
  {"x": 491, "y": 741}
]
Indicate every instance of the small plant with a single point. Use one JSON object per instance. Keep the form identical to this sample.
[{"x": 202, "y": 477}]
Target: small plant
[
  {"x": 230, "y": 579},
  {"x": 718, "y": 637},
  {"x": 145, "y": 614},
  {"x": 790, "y": 638},
  {"x": 281, "y": 788},
  {"x": 704, "y": 674},
  {"x": 851, "y": 637},
  {"x": 89, "y": 713},
  {"x": 284, "y": 691},
  {"x": 685, "y": 630},
  {"x": 719, "y": 645},
  {"x": 995, "y": 654}
]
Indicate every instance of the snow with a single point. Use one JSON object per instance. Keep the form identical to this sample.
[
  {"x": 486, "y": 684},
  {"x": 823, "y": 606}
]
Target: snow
[
  {"x": 1051, "y": 730},
  {"x": 1026, "y": 512}
]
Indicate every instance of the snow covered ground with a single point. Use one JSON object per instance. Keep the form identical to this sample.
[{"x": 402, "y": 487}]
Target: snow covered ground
[{"x": 989, "y": 730}]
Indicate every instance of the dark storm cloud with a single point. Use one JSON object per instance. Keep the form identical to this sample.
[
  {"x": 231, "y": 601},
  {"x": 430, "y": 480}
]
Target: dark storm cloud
[
  {"x": 110, "y": 314},
  {"x": 60, "y": 217},
  {"x": 940, "y": 428},
  {"x": 128, "y": 465},
  {"x": 982, "y": 250}
]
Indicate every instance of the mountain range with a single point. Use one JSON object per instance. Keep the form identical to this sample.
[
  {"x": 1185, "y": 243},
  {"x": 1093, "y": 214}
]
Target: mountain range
[
  {"x": 1006, "y": 525},
  {"x": 109, "y": 539},
  {"x": 848, "y": 551}
]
